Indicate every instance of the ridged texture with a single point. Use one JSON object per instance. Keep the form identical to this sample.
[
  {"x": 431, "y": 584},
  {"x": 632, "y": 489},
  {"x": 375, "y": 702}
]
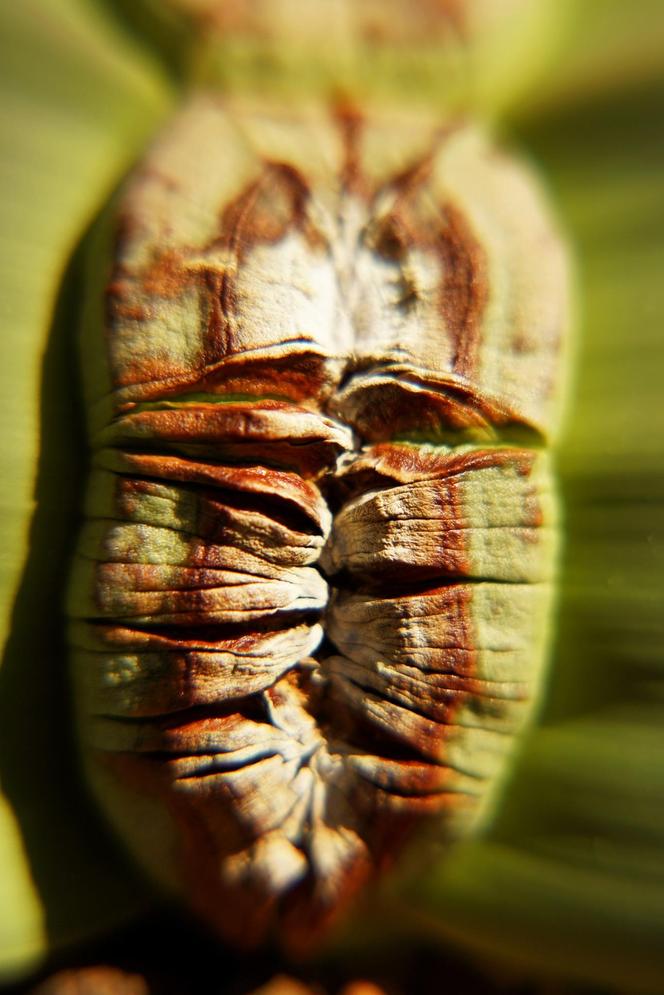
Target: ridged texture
[{"x": 309, "y": 608}]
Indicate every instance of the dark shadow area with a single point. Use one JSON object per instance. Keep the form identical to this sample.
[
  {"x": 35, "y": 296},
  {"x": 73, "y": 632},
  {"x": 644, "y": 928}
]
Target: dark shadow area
[
  {"x": 81, "y": 879},
  {"x": 173, "y": 956},
  {"x": 605, "y": 125},
  {"x": 159, "y": 29}
]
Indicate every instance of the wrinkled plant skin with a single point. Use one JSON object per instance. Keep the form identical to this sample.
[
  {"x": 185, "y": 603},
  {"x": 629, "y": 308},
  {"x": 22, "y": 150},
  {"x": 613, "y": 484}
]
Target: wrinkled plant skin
[{"x": 310, "y": 604}]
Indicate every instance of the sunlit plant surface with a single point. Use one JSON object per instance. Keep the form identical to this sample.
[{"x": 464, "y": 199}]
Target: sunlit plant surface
[{"x": 570, "y": 879}]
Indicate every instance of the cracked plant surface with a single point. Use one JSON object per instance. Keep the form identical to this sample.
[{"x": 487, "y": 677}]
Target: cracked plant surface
[{"x": 311, "y": 599}]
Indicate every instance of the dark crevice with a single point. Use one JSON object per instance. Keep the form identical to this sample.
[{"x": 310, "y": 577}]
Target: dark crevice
[
  {"x": 397, "y": 791},
  {"x": 398, "y": 589},
  {"x": 282, "y": 510},
  {"x": 414, "y": 582},
  {"x": 375, "y": 742},
  {"x": 409, "y": 706},
  {"x": 338, "y": 491},
  {"x": 221, "y": 632},
  {"x": 240, "y": 453},
  {"x": 251, "y": 707},
  {"x": 343, "y": 728},
  {"x": 214, "y": 764}
]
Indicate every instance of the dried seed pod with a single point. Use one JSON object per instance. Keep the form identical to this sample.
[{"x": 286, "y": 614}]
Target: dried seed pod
[{"x": 309, "y": 608}]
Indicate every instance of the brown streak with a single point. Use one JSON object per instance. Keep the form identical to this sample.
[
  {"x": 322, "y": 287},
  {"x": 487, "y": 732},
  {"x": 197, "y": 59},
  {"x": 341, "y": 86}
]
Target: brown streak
[
  {"x": 270, "y": 206},
  {"x": 220, "y": 299},
  {"x": 298, "y": 377},
  {"x": 404, "y": 464},
  {"x": 262, "y": 213},
  {"x": 418, "y": 23},
  {"x": 350, "y": 122},
  {"x": 166, "y": 276},
  {"x": 464, "y": 292},
  {"x": 453, "y": 546}
]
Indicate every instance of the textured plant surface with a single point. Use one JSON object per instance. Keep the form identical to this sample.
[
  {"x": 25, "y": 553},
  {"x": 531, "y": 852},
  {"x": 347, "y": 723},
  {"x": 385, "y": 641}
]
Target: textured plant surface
[
  {"x": 310, "y": 604},
  {"x": 568, "y": 880}
]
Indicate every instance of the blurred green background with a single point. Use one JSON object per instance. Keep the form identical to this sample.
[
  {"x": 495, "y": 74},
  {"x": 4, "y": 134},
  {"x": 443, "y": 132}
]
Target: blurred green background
[{"x": 569, "y": 882}]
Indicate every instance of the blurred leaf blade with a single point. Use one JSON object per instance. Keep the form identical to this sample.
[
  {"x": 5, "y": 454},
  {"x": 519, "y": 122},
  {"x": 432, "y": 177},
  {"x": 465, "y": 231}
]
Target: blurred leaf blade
[
  {"x": 22, "y": 935},
  {"x": 77, "y": 98},
  {"x": 608, "y": 48},
  {"x": 68, "y": 135}
]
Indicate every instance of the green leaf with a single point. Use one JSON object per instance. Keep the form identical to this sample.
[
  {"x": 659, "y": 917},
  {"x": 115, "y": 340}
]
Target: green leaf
[
  {"x": 77, "y": 98},
  {"x": 609, "y": 47}
]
